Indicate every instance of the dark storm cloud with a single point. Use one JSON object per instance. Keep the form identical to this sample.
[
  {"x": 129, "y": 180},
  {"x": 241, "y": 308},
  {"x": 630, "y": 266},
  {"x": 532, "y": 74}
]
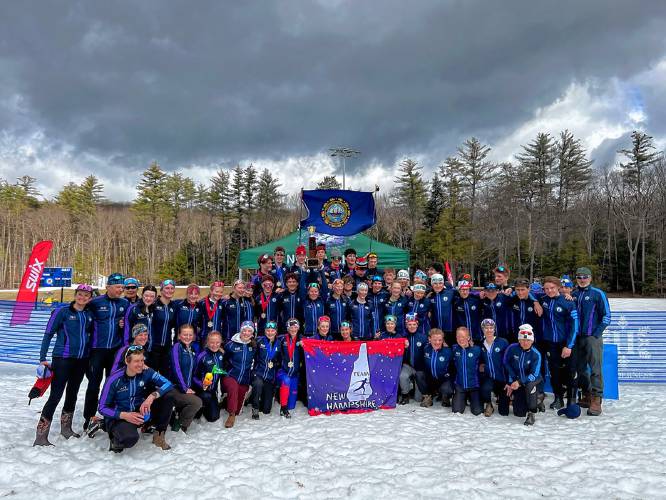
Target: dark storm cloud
[{"x": 192, "y": 82}]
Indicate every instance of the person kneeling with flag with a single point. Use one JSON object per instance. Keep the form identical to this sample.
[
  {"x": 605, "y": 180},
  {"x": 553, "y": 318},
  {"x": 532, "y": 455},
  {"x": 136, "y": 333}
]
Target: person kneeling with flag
[
  {"x": 127, "y": 402},
  {"x": 523, "y": 365}
]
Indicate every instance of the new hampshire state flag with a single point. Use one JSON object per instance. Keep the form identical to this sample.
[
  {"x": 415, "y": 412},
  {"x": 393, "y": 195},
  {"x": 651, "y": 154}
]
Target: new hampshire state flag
[{"x": 338, "y": 212}]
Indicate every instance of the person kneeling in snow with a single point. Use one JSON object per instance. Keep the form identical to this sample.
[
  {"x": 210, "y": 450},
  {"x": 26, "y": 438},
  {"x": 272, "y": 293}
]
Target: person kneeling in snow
[
  {"x": 437, "y": 357},
  {"x": 126, "y": 403},
  {"x": 466, "y": 358},
  {"x": 238, "y": 360},
  {"x": 523, "y": 365},
  {"x": 183, "y": 361},
  {"x": 208, "y": 368}
]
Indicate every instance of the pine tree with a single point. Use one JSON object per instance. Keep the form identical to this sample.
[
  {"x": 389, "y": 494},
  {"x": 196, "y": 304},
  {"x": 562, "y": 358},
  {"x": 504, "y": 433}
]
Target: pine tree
[
  {"x": 153, "y": 197},
  {"x": 435, "y": 203},
  {"x": 410, "y": 193},
  {"x": 329, "y": 182}
]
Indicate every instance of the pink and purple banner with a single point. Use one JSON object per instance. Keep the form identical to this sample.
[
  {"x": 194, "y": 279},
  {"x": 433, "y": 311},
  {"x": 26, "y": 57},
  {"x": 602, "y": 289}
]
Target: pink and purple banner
[{"x": 352, "y": 377}]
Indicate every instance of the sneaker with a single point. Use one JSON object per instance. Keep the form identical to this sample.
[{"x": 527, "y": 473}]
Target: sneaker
[
  {"x": 488, "y": 410},
  {"x": 255, "y": 414},
  {"x": 284, "y": 412},
  {"x": 94, "y": 426},
  {"x": 558, "y": 403},
  {"x": 427, "y": 401},
  {"x": 530, "y": 419}
]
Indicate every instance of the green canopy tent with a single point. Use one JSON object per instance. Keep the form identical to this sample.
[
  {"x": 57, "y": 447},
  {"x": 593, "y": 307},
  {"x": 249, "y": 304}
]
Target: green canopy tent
[{"x": 389, "y": 256}]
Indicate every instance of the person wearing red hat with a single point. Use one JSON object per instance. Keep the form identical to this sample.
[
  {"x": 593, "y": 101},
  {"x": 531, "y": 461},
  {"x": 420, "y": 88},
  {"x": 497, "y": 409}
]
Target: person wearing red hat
[{"x": 266, "y": 305}]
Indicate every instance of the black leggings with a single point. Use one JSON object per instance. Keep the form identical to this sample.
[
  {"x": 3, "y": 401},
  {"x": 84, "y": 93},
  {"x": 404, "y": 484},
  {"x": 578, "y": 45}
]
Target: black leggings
[
  {"x": 263, "y": 393},
  {"x": 67, "y": 373},
  {"x": 101, "y": 361},
  {"x": 525, "y": 398},
  {"x": 159, "y": 359},
  {"x": 460, "y": 397},
  {"x": 211, "y": 404},
  {"x": 124, "y": 434}
]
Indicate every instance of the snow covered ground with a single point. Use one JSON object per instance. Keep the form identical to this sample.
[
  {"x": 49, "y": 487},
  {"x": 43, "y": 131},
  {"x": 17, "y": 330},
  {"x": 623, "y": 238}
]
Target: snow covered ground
[{"x": 410, "y": 452}]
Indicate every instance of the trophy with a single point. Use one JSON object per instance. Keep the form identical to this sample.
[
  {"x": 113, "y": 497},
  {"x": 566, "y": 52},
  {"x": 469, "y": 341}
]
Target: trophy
[{"x": 313, "y": 262}]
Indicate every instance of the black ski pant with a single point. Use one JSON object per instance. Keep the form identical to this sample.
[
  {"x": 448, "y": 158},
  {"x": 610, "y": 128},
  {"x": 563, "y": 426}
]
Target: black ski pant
[
  {"x": 491, "y": 386},
  {"x": 101, "y": 363},
  {"x": 460, "y": 398},
  {"x": 525, "y": 398},
  {"x": 67, "y": 375},
  {"x": 124, "y": 434}
]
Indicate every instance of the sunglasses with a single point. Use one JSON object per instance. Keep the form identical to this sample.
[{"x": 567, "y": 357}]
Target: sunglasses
[
  {"x": 582, "y": 276},
  {"x": 131, "y": 287}
]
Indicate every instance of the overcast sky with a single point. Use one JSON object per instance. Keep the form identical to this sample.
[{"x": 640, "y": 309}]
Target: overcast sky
[{"x": 107, "y": 87}]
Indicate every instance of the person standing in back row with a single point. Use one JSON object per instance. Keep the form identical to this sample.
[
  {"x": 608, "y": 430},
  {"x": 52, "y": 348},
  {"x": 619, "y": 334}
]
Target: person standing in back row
[{"x": 594, "y": 315}]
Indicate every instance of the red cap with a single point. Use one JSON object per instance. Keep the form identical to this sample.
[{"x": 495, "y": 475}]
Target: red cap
[
  {"x": 324, "y": 318},
  {"x": 300, "y": 250}
]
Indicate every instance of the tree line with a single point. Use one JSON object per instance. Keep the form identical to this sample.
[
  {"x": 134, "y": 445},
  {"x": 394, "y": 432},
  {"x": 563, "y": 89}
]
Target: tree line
[{"x": 546, "y": 212}]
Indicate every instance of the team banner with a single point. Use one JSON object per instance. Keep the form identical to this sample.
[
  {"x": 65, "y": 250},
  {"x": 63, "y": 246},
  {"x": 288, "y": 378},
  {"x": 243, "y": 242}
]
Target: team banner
[
  {"x": 338, "y": 212},
  {"x": 352, "y": 377},
  {"x": 27, "y": 294}
]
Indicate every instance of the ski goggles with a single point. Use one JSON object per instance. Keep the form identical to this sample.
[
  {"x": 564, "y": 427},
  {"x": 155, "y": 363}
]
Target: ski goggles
[
  {"x": 84, "y": 288},
  {"x": 502, "y": 269},
  {"x": 217, "y": 283},
  {"x": 389, "y": 318},
  {"x": 345, "y": 323},
  {"x": 313, "y": 285},
  {"x": 324, "y": 319},
  {"x": 583, "y": 276},
  {"x": 167, "y": 283},
  {"x": 133, "y": 349},
  {"x": 293, "y": 322},
  {"x": 411, "y": 317},
  {"x": 436, "y": 278},
  {"x": 271, "y": 325}
]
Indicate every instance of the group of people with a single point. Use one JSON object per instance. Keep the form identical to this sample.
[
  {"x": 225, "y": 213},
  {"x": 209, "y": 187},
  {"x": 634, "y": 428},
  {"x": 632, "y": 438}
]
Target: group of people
[{"x": 166, "y": 362}]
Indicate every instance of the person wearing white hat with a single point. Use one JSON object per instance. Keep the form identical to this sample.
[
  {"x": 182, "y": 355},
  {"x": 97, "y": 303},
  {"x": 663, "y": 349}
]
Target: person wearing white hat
[{"x": 523, "y": 366}]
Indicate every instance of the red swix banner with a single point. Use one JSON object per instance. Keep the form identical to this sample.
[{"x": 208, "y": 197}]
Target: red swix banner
[{"x": 27, "y": 294}]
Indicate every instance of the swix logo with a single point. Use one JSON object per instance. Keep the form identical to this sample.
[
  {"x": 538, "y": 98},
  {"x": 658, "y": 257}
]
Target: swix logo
[{"x": 36, "y": 269}]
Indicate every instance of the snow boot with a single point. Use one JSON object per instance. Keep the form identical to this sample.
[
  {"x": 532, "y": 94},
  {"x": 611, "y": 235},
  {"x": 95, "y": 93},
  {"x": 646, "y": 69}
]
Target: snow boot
[
  {"x": 159, "y": 440},
  {"x": 42, "y": 433},
  {"x": 66, "y": 425},
  {"x": 540, "y": 405},
  {"x": 558, "y": 403},
  {"x": 584, "y": 400},
  {"x": 488, "y": 410},
  {"x": 446, "y": 401},
  {"x": 231, "y": 420},
  {"x": 404, "y": 399},
  {"x": 284, "y": 412},
  {"x": 114, "y": 447},
  {"x": 595, "y": 407},
  {"x": 427, "y": 401},
  {"x": 255, "y": 414},
  {"x": 530, "y": 419}
]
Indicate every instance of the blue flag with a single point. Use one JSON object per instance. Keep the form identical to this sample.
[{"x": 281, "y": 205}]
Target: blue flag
[{"x": 338, "y": 212}]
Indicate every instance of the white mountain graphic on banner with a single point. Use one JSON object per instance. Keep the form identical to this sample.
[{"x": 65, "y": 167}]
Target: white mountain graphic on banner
[{"x": 359, "y": 383}]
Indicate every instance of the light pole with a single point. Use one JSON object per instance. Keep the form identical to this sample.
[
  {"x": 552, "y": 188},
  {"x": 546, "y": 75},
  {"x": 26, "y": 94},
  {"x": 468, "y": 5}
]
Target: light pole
[{"x": 344, "y": 153}]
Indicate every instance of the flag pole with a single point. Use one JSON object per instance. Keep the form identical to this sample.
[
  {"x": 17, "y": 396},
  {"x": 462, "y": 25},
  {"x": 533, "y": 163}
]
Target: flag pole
[{"x": 300, "y": 219}]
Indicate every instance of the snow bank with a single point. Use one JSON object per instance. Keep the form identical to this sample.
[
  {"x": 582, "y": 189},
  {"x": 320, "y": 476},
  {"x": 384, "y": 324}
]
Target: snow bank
[{"x": 411, "y": 451}]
